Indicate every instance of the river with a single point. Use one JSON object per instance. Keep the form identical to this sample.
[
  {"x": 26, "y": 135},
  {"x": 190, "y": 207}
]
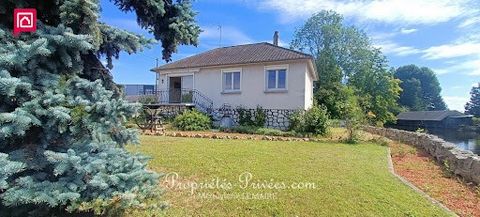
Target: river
[{"x": 464, "y": 140}]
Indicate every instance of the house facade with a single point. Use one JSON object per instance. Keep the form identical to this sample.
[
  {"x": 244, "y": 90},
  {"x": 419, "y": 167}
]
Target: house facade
[{"x": 279, "y": 80}]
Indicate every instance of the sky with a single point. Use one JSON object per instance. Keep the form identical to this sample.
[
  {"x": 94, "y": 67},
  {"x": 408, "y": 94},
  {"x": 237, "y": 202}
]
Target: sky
[{"x": 443, "y": 35}]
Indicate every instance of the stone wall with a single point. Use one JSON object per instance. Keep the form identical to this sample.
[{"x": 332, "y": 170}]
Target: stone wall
[
  {"x": 276, "y": 118},
  {"x": 172, "y": 110},
  {"x": 461, "y": 162}
]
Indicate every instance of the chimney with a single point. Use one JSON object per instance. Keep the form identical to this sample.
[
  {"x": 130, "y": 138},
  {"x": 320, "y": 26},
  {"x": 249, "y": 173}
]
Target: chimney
[{"x": 275, "y": 38}]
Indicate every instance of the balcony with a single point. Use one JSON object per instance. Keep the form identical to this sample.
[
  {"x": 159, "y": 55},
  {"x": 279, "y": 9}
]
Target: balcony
[{"x": 174, "y": 96}]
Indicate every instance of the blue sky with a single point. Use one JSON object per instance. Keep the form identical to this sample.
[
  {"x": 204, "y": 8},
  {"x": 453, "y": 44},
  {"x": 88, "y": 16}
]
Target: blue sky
[{"x": 441, "y": 34}]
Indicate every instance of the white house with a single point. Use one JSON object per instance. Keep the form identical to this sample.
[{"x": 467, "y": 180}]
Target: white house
[{"x": 250, "y": 75}]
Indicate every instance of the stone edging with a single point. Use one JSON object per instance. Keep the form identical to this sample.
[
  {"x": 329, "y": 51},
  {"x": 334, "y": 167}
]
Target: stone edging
[
  {"x": 236, "y": 137},
  {"x": 391, "y": 169},
  {"x": 462, "y": 163}
]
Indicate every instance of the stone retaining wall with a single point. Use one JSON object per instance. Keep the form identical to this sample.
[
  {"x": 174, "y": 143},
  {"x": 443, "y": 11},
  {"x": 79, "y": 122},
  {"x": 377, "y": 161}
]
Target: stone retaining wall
[
  {"x": 461, "y": 162},
  {"x": 276, "y": 118}
]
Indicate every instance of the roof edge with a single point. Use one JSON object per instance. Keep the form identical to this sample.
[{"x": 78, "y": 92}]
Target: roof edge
[
  {"x": 307, "y": 56},
  {"x": 235, "y": 64}
]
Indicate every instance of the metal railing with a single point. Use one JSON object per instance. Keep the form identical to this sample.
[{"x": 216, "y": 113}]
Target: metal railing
[{"x": 178, "y": 96}]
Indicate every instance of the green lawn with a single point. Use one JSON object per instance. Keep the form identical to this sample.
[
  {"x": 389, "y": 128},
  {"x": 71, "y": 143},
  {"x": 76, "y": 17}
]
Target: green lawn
[{"x": 350, "y": 180}]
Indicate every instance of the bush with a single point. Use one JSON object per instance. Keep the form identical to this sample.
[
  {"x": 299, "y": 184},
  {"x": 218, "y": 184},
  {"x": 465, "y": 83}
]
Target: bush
[
  {"x": 353, "y": 115},
  {"x": 148, "y": 100},
  {"x": 260, "y": 117},
  {"x": 246, "y": 118},
  {"x": 476, "y": 121},
  {"x": 313, "y": 121},
  {"x": 192, "y": 120}
]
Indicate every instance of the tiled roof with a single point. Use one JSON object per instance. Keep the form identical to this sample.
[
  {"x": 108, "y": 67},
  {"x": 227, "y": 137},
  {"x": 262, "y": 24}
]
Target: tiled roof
[
  {"x": 240, "y": 54},
  {"x": 429, "y": 115}
]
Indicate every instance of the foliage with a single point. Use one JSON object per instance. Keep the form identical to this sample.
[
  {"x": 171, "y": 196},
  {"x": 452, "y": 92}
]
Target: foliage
[
  {"x": 187, "y": 97},
  {"x": 256, "y": 118},
  {"x": 326, "y": 38},
  {"x": 421, "y": 89},
  {"x": 313, "y": 121},
  {"x": 344, "y": 54},
  {"x": 145, "y": 100},
  {"x": 333, "y": 97},
  {"x": 192, "y": 120},
  {"x": 260, "y": 117},
  {"x": 353, "y": 116},
  {"x": 62, "y": 117},
  {"x": 421, "y": 130},
  {"x": 476, "y": 121},
  {"x": 244, "y": 117},
  {"x": 473, "y": 106}
]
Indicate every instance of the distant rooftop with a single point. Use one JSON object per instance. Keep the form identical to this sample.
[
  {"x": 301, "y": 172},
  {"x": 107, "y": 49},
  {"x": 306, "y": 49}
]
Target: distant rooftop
[
  {"x": 430, "y": 115},
  {"x": 240, "y": 54}
]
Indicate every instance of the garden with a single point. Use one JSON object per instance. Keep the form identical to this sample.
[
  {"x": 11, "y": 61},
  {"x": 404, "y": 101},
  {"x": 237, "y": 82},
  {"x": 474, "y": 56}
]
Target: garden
[
  {"x": 68, "y": 146},
  {"x": 348, "y": 180}
]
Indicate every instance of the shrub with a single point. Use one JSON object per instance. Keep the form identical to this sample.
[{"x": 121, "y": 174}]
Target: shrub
[
  {"x": 148, "y": 100},
  {"x": 192, "y": 120},
  {"x": 246, "y": 118},
  {"x": 296, "y": 121},
  {"x": 187, "y": 97},
  {"x": 260, "y": 117},
  {"x": 353, "y": 115},
  {"x": 313, "y": 121},
  {"x": 476, "y": 121}
]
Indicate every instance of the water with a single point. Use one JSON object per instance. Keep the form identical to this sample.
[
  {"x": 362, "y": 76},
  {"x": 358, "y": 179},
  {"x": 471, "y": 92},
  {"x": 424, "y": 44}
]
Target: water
[{"x": 464, "y": 140}]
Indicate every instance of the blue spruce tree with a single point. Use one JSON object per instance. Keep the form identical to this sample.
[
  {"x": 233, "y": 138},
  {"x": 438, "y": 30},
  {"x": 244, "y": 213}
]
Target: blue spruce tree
[{"x": 62, "y": 132}]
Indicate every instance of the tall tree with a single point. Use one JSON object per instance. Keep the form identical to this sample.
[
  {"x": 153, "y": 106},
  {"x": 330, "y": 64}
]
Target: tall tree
[
  {"x": 62, "y": 118},
  {"x": 377, "y": 89},
  {"x": 344, "y": 53},
  {"x": 473, "y": 106},
  {"x": 324, "y": 34},
  {"x": 421, "y": 89}
]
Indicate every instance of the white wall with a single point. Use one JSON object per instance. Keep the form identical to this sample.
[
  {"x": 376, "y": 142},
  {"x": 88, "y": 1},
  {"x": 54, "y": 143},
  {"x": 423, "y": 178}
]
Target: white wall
[
  {"x": 299, "y": 94},
  {"x": 308, "y": 91}
]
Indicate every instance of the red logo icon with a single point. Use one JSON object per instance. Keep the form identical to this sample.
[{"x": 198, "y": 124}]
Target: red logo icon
[{"x": 24, "y": 20}]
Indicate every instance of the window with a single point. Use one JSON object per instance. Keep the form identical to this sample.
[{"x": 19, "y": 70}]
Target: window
[
  {"x": 231, "y": 80},
  {"x": 276, "y": 78}
]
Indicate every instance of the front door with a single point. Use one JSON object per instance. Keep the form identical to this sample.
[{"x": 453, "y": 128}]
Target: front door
[{"x": 175, "y": 90}]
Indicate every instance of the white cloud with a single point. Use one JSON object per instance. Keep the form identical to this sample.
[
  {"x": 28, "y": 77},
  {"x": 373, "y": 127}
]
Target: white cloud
[
  {"x": 440, "y": 71},
  {"x": 391, "y": 11},
  {"x": 407, "y": 31},
  {"x": 452, "y": 50},
  {"x": 456, "y": 102},
  {"x": 230, "y": 36},
  {"x": 462, "y": 67},
  {"x": 389, "y": 47},
  {"x": 469, "y": 22}
]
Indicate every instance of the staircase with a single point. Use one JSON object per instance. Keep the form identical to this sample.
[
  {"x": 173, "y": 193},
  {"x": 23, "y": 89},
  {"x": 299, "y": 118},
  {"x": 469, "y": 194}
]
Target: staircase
[{"x": 202, "y": 102}]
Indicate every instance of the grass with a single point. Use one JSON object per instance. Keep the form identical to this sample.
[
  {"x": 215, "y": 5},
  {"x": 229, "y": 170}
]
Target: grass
[{"x": 350, "y": 180}]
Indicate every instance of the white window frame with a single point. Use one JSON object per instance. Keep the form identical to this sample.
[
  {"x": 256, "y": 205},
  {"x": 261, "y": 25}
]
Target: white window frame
[
  {"x": 224, "y": 71},
  {"x": 265, "y": 77}
]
